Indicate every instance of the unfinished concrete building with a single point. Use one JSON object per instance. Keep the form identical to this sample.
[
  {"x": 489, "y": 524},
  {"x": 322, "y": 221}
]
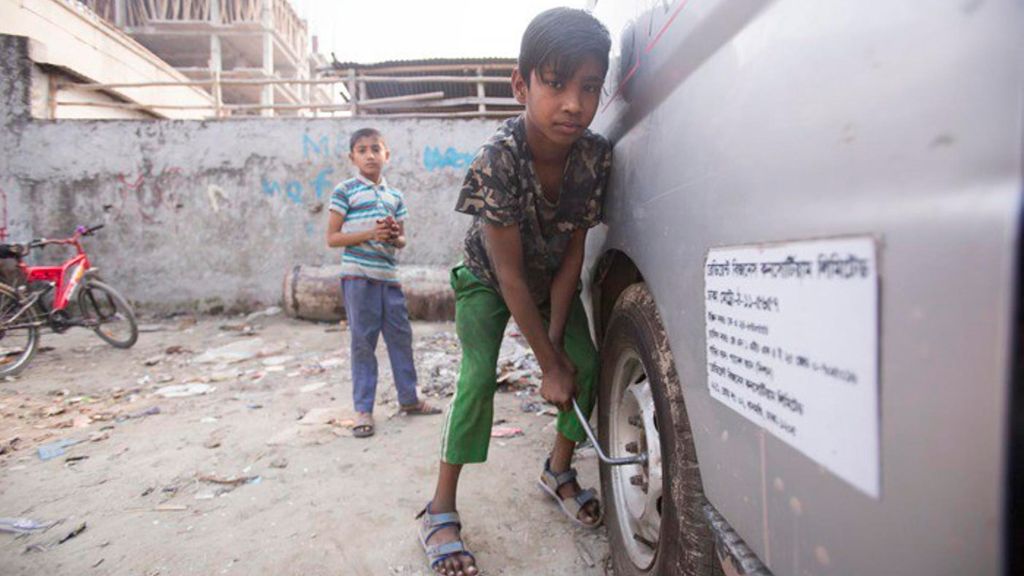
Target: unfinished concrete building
[
  {"x": 241, "y": 50},
  {"x": 232, "y": 40},
  {"x": 71, "y": 47}
]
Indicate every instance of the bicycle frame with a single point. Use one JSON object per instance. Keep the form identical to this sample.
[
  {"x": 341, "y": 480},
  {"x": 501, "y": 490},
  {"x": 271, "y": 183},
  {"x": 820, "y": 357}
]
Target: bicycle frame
[{"x": 65, "y": 278}]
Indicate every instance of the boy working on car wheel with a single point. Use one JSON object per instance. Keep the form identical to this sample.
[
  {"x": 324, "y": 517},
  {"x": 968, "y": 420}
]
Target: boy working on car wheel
[{"x": 534, "y": 190}]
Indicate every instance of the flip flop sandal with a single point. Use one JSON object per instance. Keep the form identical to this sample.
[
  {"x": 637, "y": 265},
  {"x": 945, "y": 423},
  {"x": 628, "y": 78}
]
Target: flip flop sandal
[
  {"x": 441, "y": 552},
  {"x": 364, "y": 426},
  {"x": 550, "y": 483},
  {"x": 420, "y": 409}
]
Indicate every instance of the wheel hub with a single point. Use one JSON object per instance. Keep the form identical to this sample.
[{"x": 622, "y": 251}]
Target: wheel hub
[{"x": 638, "y": 487}]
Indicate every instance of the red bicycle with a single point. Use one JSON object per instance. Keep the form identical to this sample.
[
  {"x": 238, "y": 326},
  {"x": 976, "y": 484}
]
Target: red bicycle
[{"x": 58, "y": 297}]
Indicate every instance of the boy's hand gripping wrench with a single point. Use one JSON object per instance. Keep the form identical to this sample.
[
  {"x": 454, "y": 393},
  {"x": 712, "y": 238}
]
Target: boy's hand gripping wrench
[{"x": 638, "y": 459}]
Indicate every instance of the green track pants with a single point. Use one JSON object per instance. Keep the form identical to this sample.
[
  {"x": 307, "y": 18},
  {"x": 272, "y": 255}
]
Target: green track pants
[{"x": 480, "y": 320}]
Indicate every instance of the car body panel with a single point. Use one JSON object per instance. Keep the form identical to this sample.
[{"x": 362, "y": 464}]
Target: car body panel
[{"x": 737, "y": 122}]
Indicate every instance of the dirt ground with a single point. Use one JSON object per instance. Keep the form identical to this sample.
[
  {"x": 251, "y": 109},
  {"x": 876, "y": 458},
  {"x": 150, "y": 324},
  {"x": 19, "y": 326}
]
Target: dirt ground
[{"x": 260, "y": 474}]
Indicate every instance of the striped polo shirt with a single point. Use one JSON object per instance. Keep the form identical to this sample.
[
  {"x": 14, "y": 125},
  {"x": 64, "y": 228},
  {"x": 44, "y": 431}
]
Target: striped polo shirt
[{"x": 362, "y": 203}]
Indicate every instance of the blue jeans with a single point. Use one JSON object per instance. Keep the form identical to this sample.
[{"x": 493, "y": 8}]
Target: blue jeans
[{"x": 372, "y": 308}]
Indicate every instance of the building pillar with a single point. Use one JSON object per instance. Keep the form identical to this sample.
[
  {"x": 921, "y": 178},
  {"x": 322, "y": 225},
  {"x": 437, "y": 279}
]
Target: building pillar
[
  {"x": 121, "y": 13},
  {"x": 267, "y": 20},
  {"x": 481, "y": 91},
  {"x": 216, "y": 64}
]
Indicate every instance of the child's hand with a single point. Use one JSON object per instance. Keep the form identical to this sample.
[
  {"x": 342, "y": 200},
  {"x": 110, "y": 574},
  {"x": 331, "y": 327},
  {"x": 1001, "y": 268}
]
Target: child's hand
[
  {"x": 558, "y": 385},
  {"x": 387, "y": 230},
  {"x": 382, "y": 232}
]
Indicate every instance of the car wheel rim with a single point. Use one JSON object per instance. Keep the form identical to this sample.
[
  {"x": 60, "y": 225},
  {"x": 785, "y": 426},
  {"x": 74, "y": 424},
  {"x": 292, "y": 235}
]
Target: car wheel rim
[{"x": 637, "y": 487}]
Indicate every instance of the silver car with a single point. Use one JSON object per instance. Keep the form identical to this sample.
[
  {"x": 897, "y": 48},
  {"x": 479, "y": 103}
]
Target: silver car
[{"x": 806, "y": 287}]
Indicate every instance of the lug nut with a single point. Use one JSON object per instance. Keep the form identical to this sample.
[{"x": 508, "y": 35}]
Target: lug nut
[
  {"x": 632, "y": 447},
  {"x": 635, "y": 421}
]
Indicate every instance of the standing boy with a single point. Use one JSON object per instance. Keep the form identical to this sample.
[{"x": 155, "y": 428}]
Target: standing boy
[
  {"x": 367, "y": 218},
  {"x": 534, "y": 190}
]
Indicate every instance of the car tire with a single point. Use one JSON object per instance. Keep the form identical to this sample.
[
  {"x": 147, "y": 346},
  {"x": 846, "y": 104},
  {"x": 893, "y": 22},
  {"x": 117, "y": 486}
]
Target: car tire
[{"x": 635, "y": 340}]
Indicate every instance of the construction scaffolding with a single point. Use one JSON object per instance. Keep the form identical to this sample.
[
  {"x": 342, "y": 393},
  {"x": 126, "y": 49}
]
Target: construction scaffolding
[
  {"x": 218, "y": 42},
  {"x": 417, "y": 97}
]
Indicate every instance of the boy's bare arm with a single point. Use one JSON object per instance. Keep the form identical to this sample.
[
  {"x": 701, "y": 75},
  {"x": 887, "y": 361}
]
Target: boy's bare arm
[
  {"x": 504, "y": 247},
  {"x": 338, "y": 239},
  {"x": 563, "y": 286}
]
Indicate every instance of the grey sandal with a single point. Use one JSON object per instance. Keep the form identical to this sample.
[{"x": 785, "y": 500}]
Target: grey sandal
[
  {"x": 550, "y": 483},
  {"x": 441, "y": 552},
  {"x": 364, "y": 427}
]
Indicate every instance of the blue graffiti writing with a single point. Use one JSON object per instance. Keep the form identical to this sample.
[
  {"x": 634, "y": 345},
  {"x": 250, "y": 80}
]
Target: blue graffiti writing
[
  {"x": 321, "y": 182},
  {"x": 293, "y": 189},
  {"x": 270, "y": 187},
  {"x": 320, "y": 147},
  {"x": 434, "y": 159}
]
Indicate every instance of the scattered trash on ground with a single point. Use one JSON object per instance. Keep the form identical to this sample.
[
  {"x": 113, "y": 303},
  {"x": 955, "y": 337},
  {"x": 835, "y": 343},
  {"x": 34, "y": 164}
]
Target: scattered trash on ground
[
  {"x": 25, "y": 525},
  {"x": 265, "y": 313},
  {"x": 313, "y": 387},
  {"x": 55, "y": 449},
  {"x": 231, "y": 353},
  {"x": 77, "y": 530},
  {"x": 185, "y": 390},
  {"x": 506, "y": 432},
  {"x": 151, "y": 411}
]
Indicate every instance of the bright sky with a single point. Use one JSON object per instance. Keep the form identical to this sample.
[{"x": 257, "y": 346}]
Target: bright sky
[{"x": 370, "y": 31}]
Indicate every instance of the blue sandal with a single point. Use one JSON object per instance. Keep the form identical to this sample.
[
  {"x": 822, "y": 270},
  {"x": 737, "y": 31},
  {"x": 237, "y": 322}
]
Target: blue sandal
[{"x": 441, "y": 552}]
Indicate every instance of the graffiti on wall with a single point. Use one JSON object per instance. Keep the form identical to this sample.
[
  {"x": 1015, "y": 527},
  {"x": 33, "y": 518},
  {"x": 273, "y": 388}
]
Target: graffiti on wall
[
  {"x": 145, "y": 194},
  {"x": 435, "y": 159},
  {"x": 323, "y": 149},
  {"x": 295, "y": 190}
]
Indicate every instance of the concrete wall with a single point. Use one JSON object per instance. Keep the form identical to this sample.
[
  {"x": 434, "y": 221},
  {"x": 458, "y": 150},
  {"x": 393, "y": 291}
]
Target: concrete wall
[{"x": 214, "y": 213}]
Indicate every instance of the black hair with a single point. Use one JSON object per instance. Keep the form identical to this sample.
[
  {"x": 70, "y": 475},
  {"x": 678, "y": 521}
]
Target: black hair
[
  {"x": 363, "y": 133},
  {"x": 562, "y": 38}
]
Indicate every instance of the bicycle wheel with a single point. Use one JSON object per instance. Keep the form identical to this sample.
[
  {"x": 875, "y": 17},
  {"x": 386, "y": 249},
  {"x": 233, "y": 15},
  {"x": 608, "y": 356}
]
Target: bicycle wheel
[
  {"x": 114, "y": 318},
  {"x": 17, "y": 344}
]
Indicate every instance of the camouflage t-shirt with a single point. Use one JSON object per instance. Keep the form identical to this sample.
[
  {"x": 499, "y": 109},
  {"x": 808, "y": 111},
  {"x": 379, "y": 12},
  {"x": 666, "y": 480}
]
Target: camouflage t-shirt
[{"x": 502, "y": 188}]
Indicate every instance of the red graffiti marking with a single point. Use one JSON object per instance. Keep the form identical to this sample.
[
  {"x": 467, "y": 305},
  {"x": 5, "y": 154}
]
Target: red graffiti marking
[{"x": 150, "y": 193}]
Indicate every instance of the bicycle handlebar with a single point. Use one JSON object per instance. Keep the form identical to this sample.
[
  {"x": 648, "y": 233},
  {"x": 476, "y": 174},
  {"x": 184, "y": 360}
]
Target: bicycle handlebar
[{"x": 80, "y": 231}]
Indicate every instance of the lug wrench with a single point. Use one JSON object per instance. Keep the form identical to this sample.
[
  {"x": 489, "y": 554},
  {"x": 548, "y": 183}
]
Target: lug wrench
[{"x": 638, "y": 459}]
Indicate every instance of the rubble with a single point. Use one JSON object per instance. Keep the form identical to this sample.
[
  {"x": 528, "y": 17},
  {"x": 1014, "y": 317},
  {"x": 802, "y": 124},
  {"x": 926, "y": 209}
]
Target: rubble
[{"x": 206, "y": 385}]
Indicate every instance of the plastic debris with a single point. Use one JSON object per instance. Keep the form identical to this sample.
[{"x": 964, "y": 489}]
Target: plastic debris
[
  {"x": 265, "y": 313},
  {"x": 231, "y": 353},
  {"x": 234, "y": 481},
  {"x": 280, "y": 360},
  {"x": 185, "y": 390},
  {"x": 506, "y": 432},
  {"x": 78, "y": 530},
  {"x": 313, "y": 387},
  {"x": 151, "y": 411},
  {"x": 56, "y": 449},
  {"x": 24, "y": 525}
]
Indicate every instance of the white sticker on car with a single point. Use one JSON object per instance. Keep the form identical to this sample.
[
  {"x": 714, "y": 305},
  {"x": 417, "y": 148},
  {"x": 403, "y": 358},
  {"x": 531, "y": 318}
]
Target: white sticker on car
[{"x": 792, "y": 345}]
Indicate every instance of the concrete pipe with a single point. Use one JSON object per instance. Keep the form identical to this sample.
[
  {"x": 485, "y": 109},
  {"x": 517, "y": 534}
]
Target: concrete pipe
[{"x": 314, "y": 293}]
